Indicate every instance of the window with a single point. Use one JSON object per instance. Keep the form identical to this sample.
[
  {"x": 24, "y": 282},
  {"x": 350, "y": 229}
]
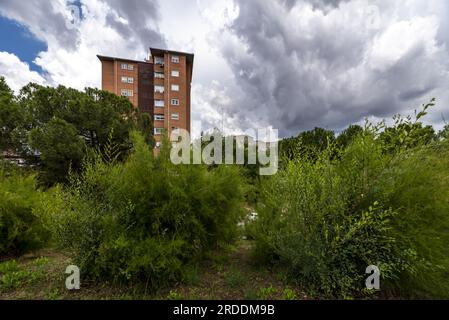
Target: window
[
  {"x": 175, "y": 87},
  {"x": 175, "y": 102},
  {"x": 158, "y": 131},
  {"x": 130, "y": 67},
  {"x": 127, "y": 80},
  {"x": 175, "y": 59},
  {"x": 159, "y": 103},
  {"x": 127, "y": 93},
  {"x": 124, "y": 66},
  {"x": 159, "y": 89},
  {"x": 159, "y": 60},
  {"x": 159, "y": 117},
  {"x": 175, "y": 116},
  {"x": 175, "y": 73},
  {"x": 159, "y": 75}
]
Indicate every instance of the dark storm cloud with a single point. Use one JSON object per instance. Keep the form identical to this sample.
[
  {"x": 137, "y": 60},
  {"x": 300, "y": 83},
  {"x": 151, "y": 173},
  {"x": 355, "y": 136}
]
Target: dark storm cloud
[
  {"x": 138, "y": 13},
  {"x": 326, "y": 70}
]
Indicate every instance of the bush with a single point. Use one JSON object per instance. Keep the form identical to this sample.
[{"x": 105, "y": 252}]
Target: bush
[
  {"x": 326, "y": 221},
  {"x": 146, "y": 219},
  {"x": 416, "y": 183},
  {"x": 21, "y": 229}
]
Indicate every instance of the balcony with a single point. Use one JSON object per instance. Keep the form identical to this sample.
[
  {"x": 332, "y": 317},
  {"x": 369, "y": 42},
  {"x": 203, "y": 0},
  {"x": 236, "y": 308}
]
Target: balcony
[
  {"x": 159, "y": 61},
  {"x": 159, "y": 89}
]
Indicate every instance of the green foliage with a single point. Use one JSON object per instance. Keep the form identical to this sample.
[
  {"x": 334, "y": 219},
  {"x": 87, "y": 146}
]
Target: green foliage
[
  {"x": 147, "y": 219},
  {"x": 348, "y": 135},
  {"x": 307, "y": 223},
  {"x": 174, "y": 295},
  {"x": 407, "y": 133},
  {"x": 60, "y": 147},
  {"x": 21, "y": 229},
  {"x": 420, "y": 194},
  {"x": 55, "y": 128},
  {"x": 10, "y": 116},
  {"x": 266, "y": 293},
  {"x": 444, "y": 134},
  {"x": 380, "y": 202},
  {"x": 13, "y": 276},
  {"x": 289, "y": 294},
  {"x": 12, "y": 280},
  {"x": 308, "y": 144},
  {"x": 234, "y": 278},
  {"x": 9, "y": 266}
]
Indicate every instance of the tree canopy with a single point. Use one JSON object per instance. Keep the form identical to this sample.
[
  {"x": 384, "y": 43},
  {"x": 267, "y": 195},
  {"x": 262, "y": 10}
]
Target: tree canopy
[{"x": 55, "y": 128}]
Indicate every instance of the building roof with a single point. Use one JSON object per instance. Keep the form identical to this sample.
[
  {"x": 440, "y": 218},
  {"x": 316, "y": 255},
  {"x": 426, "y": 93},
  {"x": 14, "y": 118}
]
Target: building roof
[
  {"x": 160, "y": 52},
  {"x": 106, "y": 58}
]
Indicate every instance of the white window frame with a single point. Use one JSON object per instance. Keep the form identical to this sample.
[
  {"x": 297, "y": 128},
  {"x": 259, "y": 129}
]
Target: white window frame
[
  {"x": 175, "y": 87},
  {"x": 124, "y": 66},
  {"x": 158, "y": 131},
  {"x": 156, "y": 89},
  {"x": 130, "y": 93},
  {"x": 130, "y": 80},
  {"x": 130, "y": 67},
  {"x": 175, "y": 59},
  {"x": 175, "y": 116},
  {"x": 175, "y": 102},
  {"x": 175, "y": 73},
  {"x": 159, "y": 117},
  {"x": 124, "y": 93},
  {"x": 156, "y": 105},
  {"x": 124, "y": 79},
  {"x": 159, "y": 75}
]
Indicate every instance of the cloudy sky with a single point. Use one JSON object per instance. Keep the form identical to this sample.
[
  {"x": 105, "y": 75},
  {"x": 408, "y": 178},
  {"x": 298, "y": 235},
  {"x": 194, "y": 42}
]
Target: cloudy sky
[{"x": 286, "y": 64}]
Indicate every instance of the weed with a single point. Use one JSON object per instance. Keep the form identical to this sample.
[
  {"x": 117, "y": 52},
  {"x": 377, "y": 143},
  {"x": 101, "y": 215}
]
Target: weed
[
  {"x": 234, "y": 278},
  {"x": 174, "y": 295},
  {"x": 266, "y": 293},
  {"x": 13, "y": 280},
  {"x": 9, "y": 266},
  {"x": 53, "y": 294},
  {"x": 288, "y": 294}
]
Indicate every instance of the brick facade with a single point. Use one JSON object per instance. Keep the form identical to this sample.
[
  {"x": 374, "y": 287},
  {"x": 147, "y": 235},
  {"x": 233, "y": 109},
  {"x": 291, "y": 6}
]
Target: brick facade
[{"x": 165, "y": 69}]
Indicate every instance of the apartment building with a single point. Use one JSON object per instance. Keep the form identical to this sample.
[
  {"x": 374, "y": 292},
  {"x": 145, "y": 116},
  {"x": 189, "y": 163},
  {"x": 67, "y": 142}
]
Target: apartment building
[{"x": 159, "y": 86}]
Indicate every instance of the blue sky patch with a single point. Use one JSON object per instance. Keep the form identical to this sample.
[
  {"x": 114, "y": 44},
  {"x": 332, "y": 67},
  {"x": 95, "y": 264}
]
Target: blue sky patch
[{"x": 18, "y": 40}]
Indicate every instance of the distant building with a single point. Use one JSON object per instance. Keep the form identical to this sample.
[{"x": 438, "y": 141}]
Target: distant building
[{"x": 159, "y": 86}]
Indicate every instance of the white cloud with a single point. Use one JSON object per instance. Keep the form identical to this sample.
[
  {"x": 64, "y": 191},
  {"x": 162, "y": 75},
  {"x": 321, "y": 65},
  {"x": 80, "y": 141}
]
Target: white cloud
[
  {"x": 289, "y": 64},
  {"x": 16, "y": 72},
  {"x": 70, "y": 59}
]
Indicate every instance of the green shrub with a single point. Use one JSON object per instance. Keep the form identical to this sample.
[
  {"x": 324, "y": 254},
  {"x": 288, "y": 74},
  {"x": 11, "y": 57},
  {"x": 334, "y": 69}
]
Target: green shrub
[
  {"x": 147, "y": 219},
  {"x": 20, "y": 228},
  {"x": 416, "y": 184},
  {"x": 327, "y": 220}
]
